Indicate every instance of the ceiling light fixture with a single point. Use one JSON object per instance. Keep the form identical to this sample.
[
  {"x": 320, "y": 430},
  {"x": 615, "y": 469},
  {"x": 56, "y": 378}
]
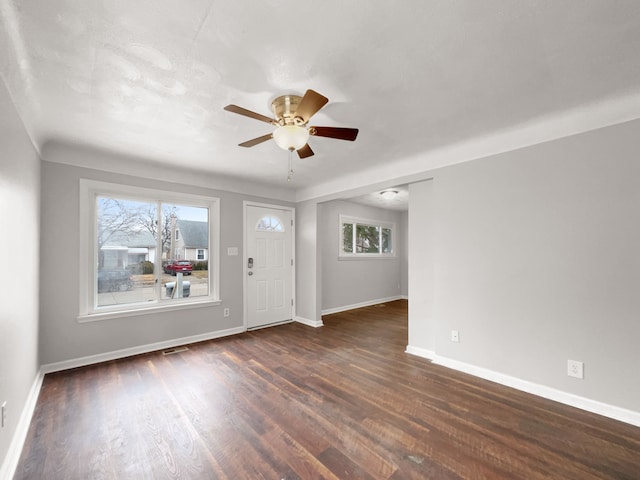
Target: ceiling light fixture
[
  {"x": 291, "y": 114},
  {"x": 389, "y": 194},
  {"x": 291, "y": 137}
]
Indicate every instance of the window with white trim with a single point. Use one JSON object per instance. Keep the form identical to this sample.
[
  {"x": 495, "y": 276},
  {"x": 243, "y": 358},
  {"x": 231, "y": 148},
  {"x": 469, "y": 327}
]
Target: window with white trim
[
  {"x": 128, "y": 259},
  {"x": 366, "y": 238}
]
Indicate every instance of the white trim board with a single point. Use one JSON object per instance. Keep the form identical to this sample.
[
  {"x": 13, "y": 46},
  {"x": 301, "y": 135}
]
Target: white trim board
[
  {"x": 309, "y": 323},
  {"x": 128, "y": 352},
  {"x": 245, "y": 280},
  {"x": 8, "y": 467},
  {"x": 269, "y": 325},
  {"x": 421, "y": 352},
  {"x": 368, "y": 303},
  {"x": 593, "y": 406}
]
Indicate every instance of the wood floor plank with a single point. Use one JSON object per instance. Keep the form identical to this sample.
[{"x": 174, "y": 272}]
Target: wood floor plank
[{"x": 296, "y": 403}]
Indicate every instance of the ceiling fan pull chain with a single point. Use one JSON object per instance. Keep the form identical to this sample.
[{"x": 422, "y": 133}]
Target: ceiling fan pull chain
[{"x": 290, "y": 176}]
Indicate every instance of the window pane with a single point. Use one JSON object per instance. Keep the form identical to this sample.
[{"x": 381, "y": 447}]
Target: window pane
[
  {"x": 347, "y": 237},
  {"x": 386, "y": 240},
  {"x": 367, "y": 239},
  {"x": 126, "y": 245},
  {"x": 270, "y": 224},
  {"x": 184, "y": 254}
]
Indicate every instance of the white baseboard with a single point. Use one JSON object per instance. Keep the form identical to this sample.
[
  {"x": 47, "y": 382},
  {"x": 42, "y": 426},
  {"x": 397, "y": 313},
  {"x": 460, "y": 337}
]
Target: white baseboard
[
  {"x": 8, "y": 467},
  {"x": 421, "y": 352},
  {"x": 368, "y": 303},
  {"x": 127, "y": 352},
  {"x": 593, "y": 406},
  {"x": 310, "y": 323}
]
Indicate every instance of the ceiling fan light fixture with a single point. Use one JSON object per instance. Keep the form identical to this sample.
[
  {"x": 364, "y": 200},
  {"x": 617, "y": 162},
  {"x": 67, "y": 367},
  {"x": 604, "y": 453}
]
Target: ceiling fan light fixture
[
  {"x": 389, "y": 194},
  {"x": 291, "y": 137}
]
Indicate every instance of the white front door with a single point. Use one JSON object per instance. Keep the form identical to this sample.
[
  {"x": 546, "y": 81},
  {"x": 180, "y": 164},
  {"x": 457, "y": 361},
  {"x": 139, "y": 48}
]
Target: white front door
[{"x": 268, "y": 265}]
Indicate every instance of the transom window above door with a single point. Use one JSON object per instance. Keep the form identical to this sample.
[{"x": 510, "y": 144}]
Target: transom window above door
[{"x": 270, "y": 223}]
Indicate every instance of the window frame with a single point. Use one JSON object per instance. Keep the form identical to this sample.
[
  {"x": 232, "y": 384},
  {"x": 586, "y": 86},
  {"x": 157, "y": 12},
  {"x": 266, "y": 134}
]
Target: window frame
[
  {"x": 349, "y": 219},
  {"x": 88, "y": 252}
]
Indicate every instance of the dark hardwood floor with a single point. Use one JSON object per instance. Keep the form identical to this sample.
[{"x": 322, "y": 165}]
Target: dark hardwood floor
[{"x": 292, "y": 402}]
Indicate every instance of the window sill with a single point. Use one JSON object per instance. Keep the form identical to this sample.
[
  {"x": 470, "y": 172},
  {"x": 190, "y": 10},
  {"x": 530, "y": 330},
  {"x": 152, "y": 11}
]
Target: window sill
[
  {"x": 366, "y": 257},
  {"x": 134, "y": 312}
]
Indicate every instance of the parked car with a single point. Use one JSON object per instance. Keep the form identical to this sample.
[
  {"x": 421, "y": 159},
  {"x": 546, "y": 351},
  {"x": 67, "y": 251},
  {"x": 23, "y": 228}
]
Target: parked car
[
  {"x": 183, "y": 266},
  {"x": 114, "y": 281}
]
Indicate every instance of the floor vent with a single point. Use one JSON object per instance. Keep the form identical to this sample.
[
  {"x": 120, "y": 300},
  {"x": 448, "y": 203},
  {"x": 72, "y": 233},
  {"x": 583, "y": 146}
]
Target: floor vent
[{"x": 171, "y": 351}]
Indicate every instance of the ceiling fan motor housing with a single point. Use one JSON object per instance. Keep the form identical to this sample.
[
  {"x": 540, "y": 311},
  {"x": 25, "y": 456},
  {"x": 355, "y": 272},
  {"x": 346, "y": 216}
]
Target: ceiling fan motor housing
[{"x": 285, "y": 108}]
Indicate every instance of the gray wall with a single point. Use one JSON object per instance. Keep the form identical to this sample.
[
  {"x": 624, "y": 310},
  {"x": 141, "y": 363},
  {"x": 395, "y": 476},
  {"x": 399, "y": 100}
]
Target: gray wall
[
  {"x": 404, "y": 254},
  {"x": 308, "y": 270},
  {"x": 537, "y": 261},
  {"x": 62, "y": 337},
  {"x": 348, "y": 282},
  {"x": 421, "y": 267},
  {"x": 19, "y": 246}
]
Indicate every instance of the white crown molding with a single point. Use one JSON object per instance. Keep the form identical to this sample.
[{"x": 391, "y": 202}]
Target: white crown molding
[
  {"x": 542, "y": 129},
  {"x": 113, "y": 162}
]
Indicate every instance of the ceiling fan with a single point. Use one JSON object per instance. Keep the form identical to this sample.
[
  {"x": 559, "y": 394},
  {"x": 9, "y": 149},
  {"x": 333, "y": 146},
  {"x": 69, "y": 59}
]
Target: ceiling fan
[{"x": 292, "y": 114}]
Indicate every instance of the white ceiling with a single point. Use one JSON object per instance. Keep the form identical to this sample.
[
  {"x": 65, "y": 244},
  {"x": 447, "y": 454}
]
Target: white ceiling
[
  {"x": 399, "y": 202},
  {"x": 427, "y": 82}
]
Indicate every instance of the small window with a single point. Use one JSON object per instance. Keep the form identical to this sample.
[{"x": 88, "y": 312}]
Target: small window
[
  {"x": 200, "y": 254},
  {"x": 177, "y": 234},
  {"x": 365, "y": 238},
  {"x": 269, "y": 224}
]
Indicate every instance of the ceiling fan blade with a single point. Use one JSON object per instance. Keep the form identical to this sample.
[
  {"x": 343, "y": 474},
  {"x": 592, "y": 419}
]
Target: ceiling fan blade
[
  {"x": 248, "y": 113},
  {"x": 305, "y": 151},
  {"x": 310, "y": 104},
  {"x": 335, "y": 132},
  {"x": 256, "y": 141}
]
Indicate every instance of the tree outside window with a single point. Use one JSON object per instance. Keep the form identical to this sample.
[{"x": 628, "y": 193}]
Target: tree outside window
[
  {"x": 130, "y": 245},
  {"x": 365, "y": 237}
]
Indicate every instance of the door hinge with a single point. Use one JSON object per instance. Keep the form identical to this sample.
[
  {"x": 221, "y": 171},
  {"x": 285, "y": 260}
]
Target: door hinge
[
  {"x": 292, "y": 222},
  {"x": 292, "y": 302},
  {"x": 292, "y": 262}
]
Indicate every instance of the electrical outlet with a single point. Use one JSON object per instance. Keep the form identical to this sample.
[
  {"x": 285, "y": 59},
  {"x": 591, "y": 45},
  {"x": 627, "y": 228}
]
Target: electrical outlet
[
  {"x": 575, "y": 369},
  {"x": 3, "y": 414},
  {"x": 455, "y": 336},
  {"x": 226, "y": 312}
]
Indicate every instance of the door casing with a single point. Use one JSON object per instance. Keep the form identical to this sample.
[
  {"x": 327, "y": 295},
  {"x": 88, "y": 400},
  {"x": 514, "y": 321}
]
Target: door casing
[{"x": 245, "y": 258}]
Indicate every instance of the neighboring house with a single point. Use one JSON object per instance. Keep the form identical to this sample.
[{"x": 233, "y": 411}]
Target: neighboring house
[
  {"x": 121, "y": 250},
  {"x": 189, "y": 240}
]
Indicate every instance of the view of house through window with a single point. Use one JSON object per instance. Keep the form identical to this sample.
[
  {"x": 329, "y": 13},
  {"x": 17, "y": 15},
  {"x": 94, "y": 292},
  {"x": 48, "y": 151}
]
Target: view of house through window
[
  {"x": 149, "y": 251},
  {"x": 365, "y": 237}
]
